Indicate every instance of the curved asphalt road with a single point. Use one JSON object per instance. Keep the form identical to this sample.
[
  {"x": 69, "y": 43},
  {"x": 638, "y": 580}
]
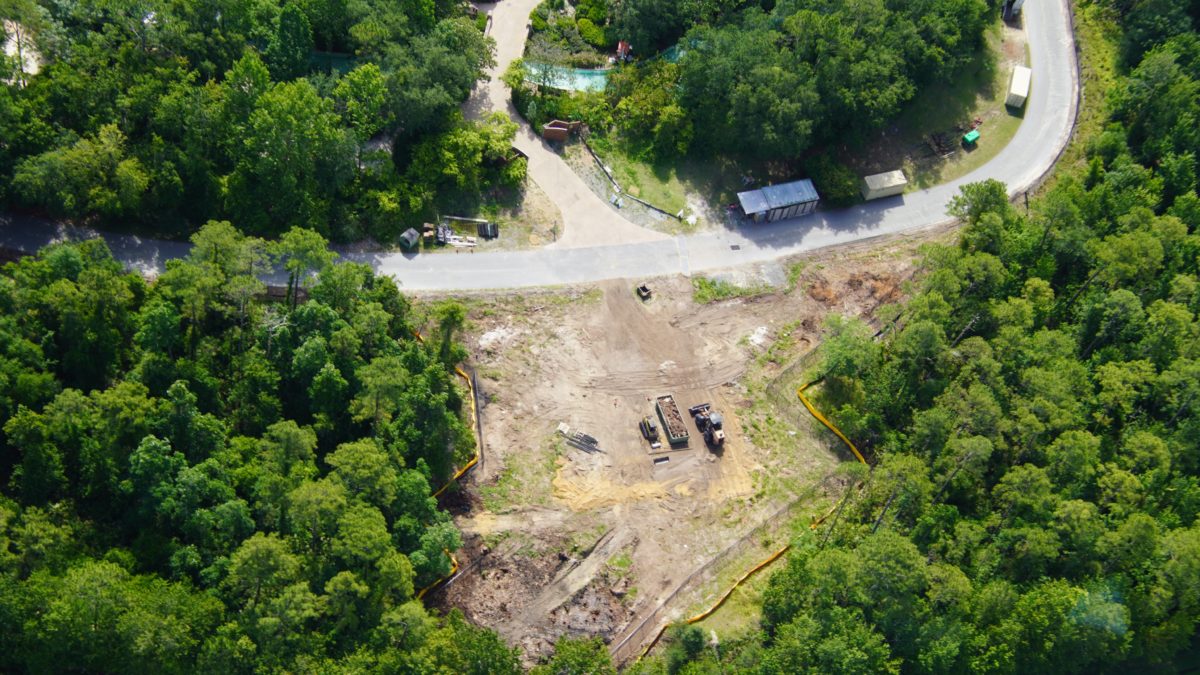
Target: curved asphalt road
[{"x": 1049, "y": 118}]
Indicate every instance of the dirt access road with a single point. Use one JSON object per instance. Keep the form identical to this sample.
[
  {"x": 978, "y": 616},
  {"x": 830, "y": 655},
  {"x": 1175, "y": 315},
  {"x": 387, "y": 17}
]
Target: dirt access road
[{"x": 559, "y": 540}]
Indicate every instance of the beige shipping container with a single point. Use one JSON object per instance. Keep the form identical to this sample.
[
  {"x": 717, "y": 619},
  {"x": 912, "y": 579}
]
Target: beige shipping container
[
  {"x": 883, "y": 184},
  {"x": 1018, "y": 87}
]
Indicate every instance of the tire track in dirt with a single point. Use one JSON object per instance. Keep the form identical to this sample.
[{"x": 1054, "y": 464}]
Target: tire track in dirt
[{"x": 641, "y": 381}]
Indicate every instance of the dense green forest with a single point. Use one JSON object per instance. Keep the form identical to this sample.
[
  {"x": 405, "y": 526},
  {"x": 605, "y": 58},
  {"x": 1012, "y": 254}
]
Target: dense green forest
[
  {"x": 759, "y": 81},
  {"x": 1033, "y": 414},
  {"x": 195, "y": 479},
  {"x": 164, "y": 114}
]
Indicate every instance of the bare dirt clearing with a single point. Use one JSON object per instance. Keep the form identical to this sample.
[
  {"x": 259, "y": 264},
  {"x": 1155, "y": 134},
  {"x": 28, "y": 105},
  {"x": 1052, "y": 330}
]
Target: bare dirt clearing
[{"x": 561, "y": 540}]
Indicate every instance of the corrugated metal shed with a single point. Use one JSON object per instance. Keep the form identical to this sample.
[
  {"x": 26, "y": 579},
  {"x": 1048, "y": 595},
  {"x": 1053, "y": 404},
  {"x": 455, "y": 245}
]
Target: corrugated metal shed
[
  {"x": 786, "y": 194},
  {"x": 753, "y": 201},
  {"x": 776, "y": 201}
]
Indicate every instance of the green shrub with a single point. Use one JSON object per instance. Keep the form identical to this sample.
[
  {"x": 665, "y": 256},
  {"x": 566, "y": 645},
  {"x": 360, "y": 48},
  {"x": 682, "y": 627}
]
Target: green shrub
[
  {"x": 592, "y": 34},
  {"x": 587, "y": 59},
  {"x": 706, "y": 290},
  {"x": 591, "y": 108},
  {"x": 538, "y": 22},
  {"x": 836, "y": 182},
  {"x": 596, "y": 11}
]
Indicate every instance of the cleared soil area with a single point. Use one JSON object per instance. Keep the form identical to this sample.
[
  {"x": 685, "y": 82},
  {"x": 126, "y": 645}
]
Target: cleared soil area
[{"x": 560, "y": 540}]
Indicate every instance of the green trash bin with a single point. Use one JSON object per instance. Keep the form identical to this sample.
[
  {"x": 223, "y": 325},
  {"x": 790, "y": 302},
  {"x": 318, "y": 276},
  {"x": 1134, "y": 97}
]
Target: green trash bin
[{"x": 971, "y": 136}]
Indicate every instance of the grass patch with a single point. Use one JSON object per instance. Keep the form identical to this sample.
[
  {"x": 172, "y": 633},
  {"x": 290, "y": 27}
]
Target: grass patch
[
  {"x": 1099, "y": 39},
  {"x": 494, "y": 539},
  {"x": 659, "y": 185},
  {"x": 706, "y": 290},
  {"x": 620, "y": 564},
  {"x": 583, "y": 541},
  {"x": 524, "y": 483},
  {"x": 781, "y": 347},
  {"x": 739, "y": 615},
  {"x": 668, "y": 184},
  {"x": 794, "y": 272},
  {"x": 742, "y": 611}
]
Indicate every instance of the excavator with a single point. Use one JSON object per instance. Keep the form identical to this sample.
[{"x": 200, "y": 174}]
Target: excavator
[{"x": 709, "y": 422}]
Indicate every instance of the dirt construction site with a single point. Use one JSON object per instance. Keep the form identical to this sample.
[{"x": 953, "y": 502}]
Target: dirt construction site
[{"x": 616, "y": 538}]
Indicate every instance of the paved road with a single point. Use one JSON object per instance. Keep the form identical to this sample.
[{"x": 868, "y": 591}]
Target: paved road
[{"x": 1049, "y": 117}]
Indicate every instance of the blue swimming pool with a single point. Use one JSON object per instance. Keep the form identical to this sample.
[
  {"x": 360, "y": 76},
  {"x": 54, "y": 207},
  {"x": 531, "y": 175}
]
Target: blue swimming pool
[
  {"x": 583, "y": 79},
  {"x": 569, "y": 79}
]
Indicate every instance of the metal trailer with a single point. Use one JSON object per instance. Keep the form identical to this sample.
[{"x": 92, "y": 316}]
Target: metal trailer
[
  {"x": 1018, "y": 87},
  {"x": 672, "y": 421},
  {"x": 884, "y": 184}
]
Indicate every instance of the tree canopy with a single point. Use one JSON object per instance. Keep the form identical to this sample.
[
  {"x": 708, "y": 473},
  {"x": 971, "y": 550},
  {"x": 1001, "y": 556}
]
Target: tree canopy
[
  {"x": 764, "y": 81},
  {"x": 195, "y": 479},
  {"x": 163, "y": 115},
  {"x": 1033, "y": 420}
]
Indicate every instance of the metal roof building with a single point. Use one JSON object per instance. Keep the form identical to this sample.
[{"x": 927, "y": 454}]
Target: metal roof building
[{"x": 776, "y": 202}]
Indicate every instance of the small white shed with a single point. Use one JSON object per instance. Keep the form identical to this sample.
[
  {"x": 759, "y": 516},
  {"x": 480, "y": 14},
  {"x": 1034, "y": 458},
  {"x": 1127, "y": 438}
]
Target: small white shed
[
  {"x": 883, "y": 184},
  {"x": 1018, "y": 87}
]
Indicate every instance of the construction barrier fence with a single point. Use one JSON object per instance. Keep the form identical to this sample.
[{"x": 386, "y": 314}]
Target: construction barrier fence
[
  {"x": 477, "y": 431},
  {"x": 720, "y": 601},
  {"x": 474, "y": 428},
  {"x": 821, "y": 418},
  {"x": 651, "y": 628}
]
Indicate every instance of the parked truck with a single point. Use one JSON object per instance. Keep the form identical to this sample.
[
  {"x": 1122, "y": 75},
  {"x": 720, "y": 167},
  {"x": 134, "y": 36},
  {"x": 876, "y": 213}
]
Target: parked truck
[
  {"x": 672, "y": 421},
  {"x": 650, "y": 432},
  {"x": 710, "y": 424}
]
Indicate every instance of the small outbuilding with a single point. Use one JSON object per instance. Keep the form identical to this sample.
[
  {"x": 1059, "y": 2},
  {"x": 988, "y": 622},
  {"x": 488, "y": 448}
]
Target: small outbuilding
[
  {"x": 1018, "y": 87},
  {"x": 883, "y": 184},
  {"x": 777, "y": 202},
  {"x": 409, "y": 238},
  {"x": 558, "y": 130}
]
